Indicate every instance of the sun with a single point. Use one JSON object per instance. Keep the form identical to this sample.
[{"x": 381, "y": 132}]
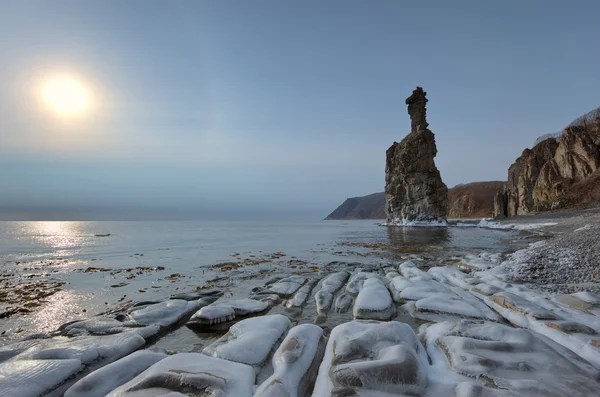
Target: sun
[{"x": 66, "y": 96}]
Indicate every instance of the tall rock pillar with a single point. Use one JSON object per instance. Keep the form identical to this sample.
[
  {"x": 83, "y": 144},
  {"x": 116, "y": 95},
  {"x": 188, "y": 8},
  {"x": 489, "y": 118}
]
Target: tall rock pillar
[{"x": 414, "y": 191}]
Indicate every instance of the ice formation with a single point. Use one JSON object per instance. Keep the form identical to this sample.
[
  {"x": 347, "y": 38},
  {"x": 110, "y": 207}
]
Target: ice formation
[
  {"x": 374, "y": 301},
  {"x": 251, "y": 340},
  {"x": 295, "y": 363},
  {"x": 191, "y": 374},
  {"x": 101, "y": 382},
  {"x": 373, "y": 359}
]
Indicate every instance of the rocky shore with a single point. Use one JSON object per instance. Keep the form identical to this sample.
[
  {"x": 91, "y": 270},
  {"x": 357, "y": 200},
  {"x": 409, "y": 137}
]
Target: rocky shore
[{"x": 464, "y": 327}]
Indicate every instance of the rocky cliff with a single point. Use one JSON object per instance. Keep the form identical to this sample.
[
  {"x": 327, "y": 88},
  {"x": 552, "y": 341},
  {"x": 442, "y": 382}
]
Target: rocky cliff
[
  {"x": 366, "y": 207},
  {"x": 473, "y": 200},
  {"x": 470, "y": 200},
  {"x": 414, "y": 190},
  {"x": 542, "y": 177}
]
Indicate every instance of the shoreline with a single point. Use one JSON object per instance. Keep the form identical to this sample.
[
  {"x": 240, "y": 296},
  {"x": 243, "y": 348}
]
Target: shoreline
[{"x": 418, "y": 301}]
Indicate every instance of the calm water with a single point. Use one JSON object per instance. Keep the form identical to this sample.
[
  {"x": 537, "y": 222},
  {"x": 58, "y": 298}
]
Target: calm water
[{"x": 56, "y": 252}]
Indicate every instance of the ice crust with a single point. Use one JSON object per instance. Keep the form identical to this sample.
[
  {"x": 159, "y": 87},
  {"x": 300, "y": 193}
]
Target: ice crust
[
  {"x": 513, "y": 359},
  {"x": 191, "y": 374},
  {"x": 374, "y": 301},
  {"x": 33, "y": 378},
  {"x": 164, "y": 313},
  {"x": 251, "y": 340},
  {"x": 373, "y": 359},
  {"x": 295, "y": 362},
  {"x": 103, "y": 381}
]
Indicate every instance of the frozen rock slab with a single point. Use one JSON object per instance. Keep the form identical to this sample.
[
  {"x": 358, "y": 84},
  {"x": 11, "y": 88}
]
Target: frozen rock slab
[
  {"x": 226, "y": 311},
  {"x": 356, "y": 282},
  {"x": 13, "y": 349},
  {"x": 521, "y": 305},
  {"x": 404, "y": 289},
  {"x": 86, "y": 349},
  {"x": 165, "y": 313},
  {"x": 329, "y": 286},
  {"x": 98, "y": 326},
  {"x": 287, "y": 286},
  {"x": 302, "y": 294},
  {"x": 191, "y": 374},
  {"x": 374, "y": 301},
  {"x": 295, "y": 363},
  {"x": 524, "y": 363},
  {"x": 343, "y": 303},
  {"x": 104, "y": 380},
  {"x": 251, "y": 340},
  {"x": 372, "y": 358},
  {"x": 193, "y": 296},
  {"x": 33, "y": 378}
]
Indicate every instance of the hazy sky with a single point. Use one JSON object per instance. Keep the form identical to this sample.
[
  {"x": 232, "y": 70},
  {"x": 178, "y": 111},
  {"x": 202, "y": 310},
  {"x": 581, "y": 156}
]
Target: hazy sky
[{"x": 274, "y": 109}]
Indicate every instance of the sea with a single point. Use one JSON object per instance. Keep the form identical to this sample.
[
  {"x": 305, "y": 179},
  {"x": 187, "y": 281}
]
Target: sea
[{"x": 55, "y": 272}]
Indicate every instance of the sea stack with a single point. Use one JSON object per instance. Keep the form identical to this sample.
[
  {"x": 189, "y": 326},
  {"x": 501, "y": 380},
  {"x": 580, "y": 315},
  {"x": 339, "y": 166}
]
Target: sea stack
[{"x": 414, "y": 191}]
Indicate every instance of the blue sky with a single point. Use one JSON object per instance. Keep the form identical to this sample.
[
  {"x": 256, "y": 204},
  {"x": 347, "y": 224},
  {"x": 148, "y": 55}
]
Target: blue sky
[{"x": 275, "y": 109}]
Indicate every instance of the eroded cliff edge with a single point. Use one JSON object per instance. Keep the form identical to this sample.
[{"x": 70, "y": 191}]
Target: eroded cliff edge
[{"x": 558, "y": 172}]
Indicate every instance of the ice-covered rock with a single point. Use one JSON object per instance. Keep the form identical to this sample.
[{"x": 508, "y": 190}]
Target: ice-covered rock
[
  {"x": 86, "y": 349},
  {"x": 33, "y": 378},
  {"x": 12, "y": 349},
  {"x": 518, "y": 304},
  {"x": 104, "y": 380},
  {"x": 286, "y": 287},
  {"x": 251, "y": 340},
  {"x": 225, "y": 311},
  {"x": 374, "y": 301},
  {"x": 343, "y": 303},
  {"x": 295, "y": 363},
  {"x": 98, "y": 326},
  {"x": 356, "y": 282},
  {"x": 165, "y": 313},
  {"x": 403, "y": 289},
  {"x": 329, "y": 286},
  {"x": 509, "y": 358},
  {"x": 374, "y": 359},
  {"x": 302, "y": 294},
  {"x": 188, "y": 374}
]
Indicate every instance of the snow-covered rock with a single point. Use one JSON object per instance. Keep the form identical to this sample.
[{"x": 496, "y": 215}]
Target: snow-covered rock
[
  {"x": 251, "y": 340},
  {"x": 356, "y": 282},
  {"x": 187, "y": 374},
  {"x": 525, "y": 364},
  {"x": 295, "y": 363},
  {"x": 302, "y": 294},
  {"x": 165, "y": 313},
  {"x": 343, "y": 303},
  {"x": 33, "y": 378},
  {"x": 374, "y": 301},
  {"x": 225, "y": 311},
  {"x": 329, "y": 286},
  {"x": 86, "y": 349},
  {"x": 286, "y": 287},
  {"x": 104, "y": 380},
  {"x": 372, "y": 359}
]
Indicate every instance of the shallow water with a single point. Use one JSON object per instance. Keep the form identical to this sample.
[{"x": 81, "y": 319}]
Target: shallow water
[{"x": 152, "y": 260}]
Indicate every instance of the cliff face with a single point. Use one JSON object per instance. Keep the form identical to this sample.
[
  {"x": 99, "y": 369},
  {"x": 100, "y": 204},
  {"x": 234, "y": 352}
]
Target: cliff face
[
  {"x": 542, "y": 177},
  {"x": 366, "y": 207},
  {"x": 473, "y": 200},
  {"x": 414, "y": 190}
]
